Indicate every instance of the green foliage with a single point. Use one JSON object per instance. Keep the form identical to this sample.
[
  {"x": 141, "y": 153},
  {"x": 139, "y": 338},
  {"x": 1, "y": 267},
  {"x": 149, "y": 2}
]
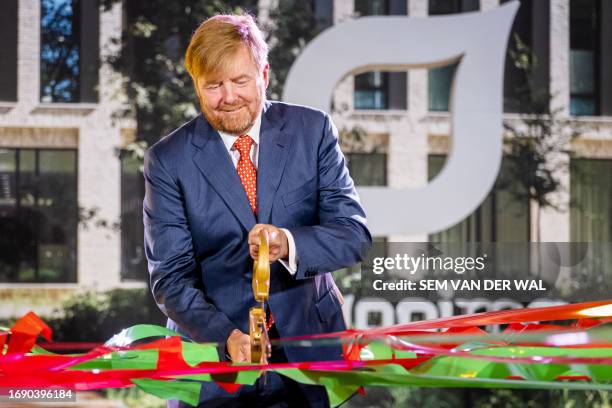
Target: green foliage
[
  {"x": 135, "y": 398},
  {"x": 292, "y": 26},
  {"x": 96, "y": 317},
  {"x": 534, "y": 142},
  {"x": 151, "y": 58},
  {"x": 152, "y": 47}
]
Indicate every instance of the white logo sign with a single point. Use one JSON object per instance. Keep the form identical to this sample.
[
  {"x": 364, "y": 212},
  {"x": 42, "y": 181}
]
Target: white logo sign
[{"x": 478, "y": 42}]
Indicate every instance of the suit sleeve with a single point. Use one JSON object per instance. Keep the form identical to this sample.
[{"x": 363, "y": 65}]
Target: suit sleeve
[
  {"x": 342, "y": 236},
  {"x": 170, "y": 254}
]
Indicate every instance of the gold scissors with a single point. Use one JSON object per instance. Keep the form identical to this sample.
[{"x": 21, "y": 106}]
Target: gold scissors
[{"x": 260, "y": 342}]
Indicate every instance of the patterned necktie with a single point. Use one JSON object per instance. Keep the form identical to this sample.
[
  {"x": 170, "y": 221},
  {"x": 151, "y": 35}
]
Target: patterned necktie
[
  {"x": 248, "y": 176},
  {"x": 246, "y": 169}
]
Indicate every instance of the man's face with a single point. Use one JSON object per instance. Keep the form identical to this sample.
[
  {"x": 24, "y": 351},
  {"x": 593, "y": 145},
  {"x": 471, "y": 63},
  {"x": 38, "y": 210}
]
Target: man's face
[{"x": 231, "y": 100}]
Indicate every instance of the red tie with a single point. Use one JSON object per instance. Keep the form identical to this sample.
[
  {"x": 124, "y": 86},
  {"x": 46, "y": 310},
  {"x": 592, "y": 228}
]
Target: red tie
[
  {"x": 246, "y": 169},
  {"x": 248, "y": 176}
]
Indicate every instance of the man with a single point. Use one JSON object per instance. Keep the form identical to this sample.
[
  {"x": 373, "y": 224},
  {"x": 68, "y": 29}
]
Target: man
[{"x": 243, "y": 165}]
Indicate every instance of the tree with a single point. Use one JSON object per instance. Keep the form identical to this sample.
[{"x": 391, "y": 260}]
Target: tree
[
  {"x": 151, "y": 59},
  {"x": 291, "y": 26},
  {"x": 154, "y": 40},
  {"x": 536, "y": 142}
]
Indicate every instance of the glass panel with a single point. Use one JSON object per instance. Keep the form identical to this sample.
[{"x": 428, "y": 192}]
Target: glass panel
[
  {"x": 59, "y": 51},
  {"x": 591, "y": 198},
  {"x": 28, "y": 215},
  {"x": 582, "y": 106},
  {"x": 581, "y": 71},
  {"x": 591, "y": 207},
  {"x": 57, "y": 206},
  {"x": 517, "y": 88},
  {"x": 372, "y": 7},
  {"x": 9, "y": 223},
  {"x": 8, "y": 51},
  {"x": 27, "y": 178},
  {"x": 133, "y": 262},
  {"x": 502, "y": 217},
  {"x": 439, "y": 87},
  {"x": 437, "y": 7},
  {"x": 368, "y": 169},
  {"x": 8, "y": 187},
  {"x": 38, "y": 215},
  {"x": 371, "y": 90},
  {"x": 585, "y": 33}
]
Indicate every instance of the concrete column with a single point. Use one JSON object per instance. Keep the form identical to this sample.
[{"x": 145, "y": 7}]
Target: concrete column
[
  {"x": 555, "y": 224},
  {"x": 488, "y": 4},
  {"x": 343, "y": 94},
  {"x": 99, "y": 184},
  {"x": 28, "y": 53},
  {"x": 408, "y": 150},
  {"x": 343, "y": 10},
  {"x": 559, "y": 54}
]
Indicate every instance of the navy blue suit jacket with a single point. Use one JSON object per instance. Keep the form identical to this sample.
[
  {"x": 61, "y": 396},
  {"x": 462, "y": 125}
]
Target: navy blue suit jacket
[{"x": 197, "y": 218}]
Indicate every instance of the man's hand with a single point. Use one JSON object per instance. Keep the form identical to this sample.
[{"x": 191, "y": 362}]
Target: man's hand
[
  {"x": 277, "y": 242},
  {"x": 239, "y": 347}
]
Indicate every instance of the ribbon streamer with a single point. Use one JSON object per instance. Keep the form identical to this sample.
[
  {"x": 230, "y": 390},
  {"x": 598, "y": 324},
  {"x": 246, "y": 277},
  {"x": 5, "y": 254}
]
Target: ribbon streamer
[{"x": 525, "y": 355}]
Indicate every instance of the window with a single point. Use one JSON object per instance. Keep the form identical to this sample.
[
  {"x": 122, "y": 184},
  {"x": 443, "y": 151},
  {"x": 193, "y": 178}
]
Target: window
[
  {"x": 372, "y": 7},
  {"x": 516, "y": 86},
  {"x": 38, "y": 215},
  {"x": 368, "y": 169},
  {"x": 324, "y": 13},
  {"x": 371, "y": 90},
  {"x": 591, "y": 200},
  {"x": 439, "y": 7},
  {"x": 584, "y": 57},
  {"x": 380, "y": 90},
  {"x": 133, "y": 261},
  {"x": 439, "y": 86},
  {"x": 69, "y": 50},
  {"x": 440, "y": 79},
  {"x": 8, "y": 51},
  {"x": 502, "y": 217},
  {"x": 591, "y": 216}
]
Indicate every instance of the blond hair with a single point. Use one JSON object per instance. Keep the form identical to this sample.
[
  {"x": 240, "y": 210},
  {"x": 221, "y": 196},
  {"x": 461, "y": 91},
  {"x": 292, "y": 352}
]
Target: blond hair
[{"x": 216, "y": 41}]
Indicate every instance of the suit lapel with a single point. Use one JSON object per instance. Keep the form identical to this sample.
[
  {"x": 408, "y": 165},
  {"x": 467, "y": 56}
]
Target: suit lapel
[
  {"x": 274, "y": 147},
  {"x": 213, "y": 160}
]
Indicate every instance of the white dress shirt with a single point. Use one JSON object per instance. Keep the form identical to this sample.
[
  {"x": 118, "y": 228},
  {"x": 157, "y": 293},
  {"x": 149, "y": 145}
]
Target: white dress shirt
[{"x": 228, "y": 141}]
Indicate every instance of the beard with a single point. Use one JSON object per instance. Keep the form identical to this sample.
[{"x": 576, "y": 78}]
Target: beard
[{"x": 237, "y": 122}]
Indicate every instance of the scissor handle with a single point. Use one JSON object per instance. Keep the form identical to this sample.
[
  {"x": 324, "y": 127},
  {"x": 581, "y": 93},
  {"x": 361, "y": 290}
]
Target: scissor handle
[{"x": 261, "y": 270}]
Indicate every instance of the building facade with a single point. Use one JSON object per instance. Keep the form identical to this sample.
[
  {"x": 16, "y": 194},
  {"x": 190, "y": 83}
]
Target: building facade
[
  {"x": 407, "y": 113},
  {"x": 60, "y": 177}
]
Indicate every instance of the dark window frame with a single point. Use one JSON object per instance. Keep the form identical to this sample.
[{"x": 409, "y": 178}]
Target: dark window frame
[
  {"x": 394, "y": 84},
  {"x": 128, "y": 274},
  {"x": 359, "y": 4},
  {"x": 66, "y": 276},
  {"x": 385, "y": 158},
  {"x": 83, "y": 42},
  {"x": 8, "y": 53},
  {"x": 457, "y": 6},
  {"x": 479, "y": 212},
  {"x": 595, "y": 46},
  {"x": 365, "y": 87}
]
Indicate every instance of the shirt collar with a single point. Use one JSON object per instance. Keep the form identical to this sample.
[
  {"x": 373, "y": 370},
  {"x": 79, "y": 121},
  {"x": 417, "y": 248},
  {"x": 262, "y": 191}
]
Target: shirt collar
[{"x": 229, "y": 139}]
